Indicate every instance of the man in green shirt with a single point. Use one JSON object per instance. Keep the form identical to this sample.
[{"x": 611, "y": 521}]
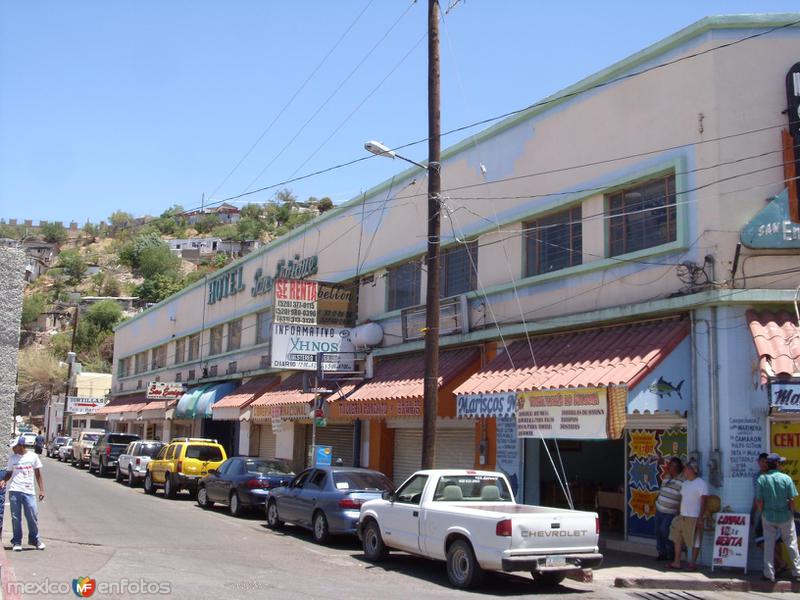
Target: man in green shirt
[{"x": 775, "y": 493}]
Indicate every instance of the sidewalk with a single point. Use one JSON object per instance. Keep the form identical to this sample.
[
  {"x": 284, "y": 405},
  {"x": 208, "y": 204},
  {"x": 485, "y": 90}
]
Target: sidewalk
[{"x": 624, "y": 570}]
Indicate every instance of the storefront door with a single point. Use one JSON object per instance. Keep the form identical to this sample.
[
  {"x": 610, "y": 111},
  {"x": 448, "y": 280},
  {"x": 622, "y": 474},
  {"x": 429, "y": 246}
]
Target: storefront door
[{"x": 266, "y": 441}]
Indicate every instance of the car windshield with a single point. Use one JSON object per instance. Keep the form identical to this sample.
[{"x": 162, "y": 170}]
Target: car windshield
[
  {"x": 91, "y": 437},
  {"x": 121, "y": 438},
  {"x": 150, "y": 449},
  {"x": 471, "y": 488},
  {"x": 212, "y": 453},
  {"x": 361, "y": 480},
  {"x": 60, "y": 440},
  {"x": 268, "y": 467}
]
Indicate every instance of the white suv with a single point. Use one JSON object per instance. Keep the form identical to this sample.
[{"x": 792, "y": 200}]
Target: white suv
[{"x": 132, "y": 463}]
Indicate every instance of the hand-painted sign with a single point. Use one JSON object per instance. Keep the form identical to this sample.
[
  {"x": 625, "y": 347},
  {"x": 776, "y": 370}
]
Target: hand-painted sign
[
  {"x": 337, "y": 304},
  {"x": 785, "y": 440},
  {"x": 747, "y": 442},
  {"x": 642, "y": 503},
  {"x": 389, "y": 409},
  {"x": 296, "y": 347},
  {"x": 643, "y": 474},
  {"x": 731, "y": 540},
  {"x": 80, "y": 405},
  {"x": 158, "y": 390},
  {"x": 295, "y": 302},
  {"x": 642, "y": 443},
  {"x": 666, "y": 388},
  {"x": 508, "y": 451},
  {"x": 294, "y": 269},
  {"x": 772, "y": 228},
  {"x": 785, "y": 396},
  {"x": 230, "y": 283},
  {"x": 487, "y": 405},
  {"x": 566, "y": 414}
]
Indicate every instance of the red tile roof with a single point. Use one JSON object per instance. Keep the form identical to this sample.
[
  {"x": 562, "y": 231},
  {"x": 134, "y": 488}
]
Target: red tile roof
[
  {"x": 289, "y": 391},
  {"x": 122, "y": 404},
  {"x": 159, "y": 404},
  {"x": 402, "y": 377},
  {"x": 247, "y": 393},
  {"x": 777, "y": 340},
  {"x": 616, "y": 355}
]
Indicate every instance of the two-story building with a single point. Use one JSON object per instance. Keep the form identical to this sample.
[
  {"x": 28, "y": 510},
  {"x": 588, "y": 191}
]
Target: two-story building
[{"x": 613, "y": 294}]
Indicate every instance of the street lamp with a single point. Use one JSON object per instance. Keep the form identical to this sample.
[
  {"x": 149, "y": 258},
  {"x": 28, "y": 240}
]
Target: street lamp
[{"x": 379, "y": 149}]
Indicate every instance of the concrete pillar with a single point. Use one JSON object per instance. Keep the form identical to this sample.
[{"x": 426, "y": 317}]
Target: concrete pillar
[
  {"x": 12, "y": 265},
  {"x": 166, "y": 435},
  {"x": 244, "y": 438}
]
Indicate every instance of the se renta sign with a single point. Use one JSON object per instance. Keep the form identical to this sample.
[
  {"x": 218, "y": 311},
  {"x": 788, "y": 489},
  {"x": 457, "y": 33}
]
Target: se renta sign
[
  {"x": 296, "y": 347},
  {"x": 295, "y": 302},
  {"x": 785, "y": 396},
  {"x": 486, "y": 405}
]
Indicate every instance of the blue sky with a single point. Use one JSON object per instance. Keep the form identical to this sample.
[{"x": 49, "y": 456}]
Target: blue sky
[{"x": 141, "y": 105}]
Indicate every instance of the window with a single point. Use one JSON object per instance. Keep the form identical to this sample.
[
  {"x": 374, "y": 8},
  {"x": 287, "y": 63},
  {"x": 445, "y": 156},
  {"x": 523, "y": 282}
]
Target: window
[
  {"x": 263, "y": 326},
  {"x": 411, "y": 492},
  {"x": 471, "y": 488},
  {"x": 210, "y": 453},
  {"x": 170, "y": 453},
  {"x": 234, "y": 335},
  {"x": 140, "y": 361},
  {"x": 403, "y": 285},
  {"x": 180, "y": 351},
  {"x": 215, "y": 346},
  {"x": 120, "y": 438},
  {"x": 554, "y": 242},
  {"x": 124, "y": 367},
  {"x": 361, "y": 481},
  {"x": 150, "y": 450},
  {"x": 642, "y": 216},
  {"x": 317, "y": 479},
  {"x": 194, "y": 347},
  {"x": 458, "y": 269},
  {"x": 159, "y": 357},
  {"x": 301, "y": 479}
]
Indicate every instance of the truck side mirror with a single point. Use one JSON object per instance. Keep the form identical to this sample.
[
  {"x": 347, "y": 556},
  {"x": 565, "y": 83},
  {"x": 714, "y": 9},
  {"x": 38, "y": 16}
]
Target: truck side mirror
[{"x": 388, "y": 496}]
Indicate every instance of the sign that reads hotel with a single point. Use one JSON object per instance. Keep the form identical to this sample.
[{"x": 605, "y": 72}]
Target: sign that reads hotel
[
  {"x": 80, "y": 405},
  {"x": 159, "y": 390},
  {"x": 296, "y": 347},
  {"x": 566, "y": 414},
  {"x": 295, "y": 302},
  {"x": 785, "y": 396}
]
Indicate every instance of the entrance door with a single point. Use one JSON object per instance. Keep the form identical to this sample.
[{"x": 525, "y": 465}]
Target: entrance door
[
  {"x": 338, "y": 437},
  {"x": 455, "y": 449},
  {"x": 266, "y": 442}
]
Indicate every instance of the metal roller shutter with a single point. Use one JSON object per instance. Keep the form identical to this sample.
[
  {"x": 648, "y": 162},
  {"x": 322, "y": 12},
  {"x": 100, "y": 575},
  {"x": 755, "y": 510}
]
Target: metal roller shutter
[
  {"x": 455, "y": 449},
  {"x": 266, "y": 442},
  {"x": 339, "y": 437}
]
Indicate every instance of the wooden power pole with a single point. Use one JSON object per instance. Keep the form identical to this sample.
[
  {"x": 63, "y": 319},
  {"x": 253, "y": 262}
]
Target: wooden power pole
[{"x": 431, "y": 385}]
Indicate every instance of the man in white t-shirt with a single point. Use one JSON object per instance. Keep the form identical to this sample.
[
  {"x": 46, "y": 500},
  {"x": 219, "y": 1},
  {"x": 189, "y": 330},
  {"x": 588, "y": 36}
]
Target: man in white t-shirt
[
  {"x": 687, "y": 527},
  {"x": 23, "y": 468}
]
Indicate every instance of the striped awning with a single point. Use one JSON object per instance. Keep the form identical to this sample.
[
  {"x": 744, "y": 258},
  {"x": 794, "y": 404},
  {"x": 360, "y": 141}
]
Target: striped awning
[{"x": 197, "y": 403}]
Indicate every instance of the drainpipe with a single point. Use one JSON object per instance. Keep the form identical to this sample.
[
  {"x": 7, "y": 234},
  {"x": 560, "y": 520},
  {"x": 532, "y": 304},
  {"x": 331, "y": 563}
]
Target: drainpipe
[
  {"x": 715, "y": 459},
  {"x": 693, "y": 439}
]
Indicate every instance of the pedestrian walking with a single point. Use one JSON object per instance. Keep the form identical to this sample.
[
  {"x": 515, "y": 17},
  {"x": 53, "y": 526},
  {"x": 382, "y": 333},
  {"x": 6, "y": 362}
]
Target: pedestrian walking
[
  {"x": 38, "y": 444},
  {"x": 775, "y": 493},
  {"x": 668, "y": 505},
  {"x": 23, "y": 468},
  {"x": 687, "y": 527}
]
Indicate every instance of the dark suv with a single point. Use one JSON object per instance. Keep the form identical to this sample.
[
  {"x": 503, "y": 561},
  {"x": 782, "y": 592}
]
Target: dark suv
[{"x": 106, "y": 451}]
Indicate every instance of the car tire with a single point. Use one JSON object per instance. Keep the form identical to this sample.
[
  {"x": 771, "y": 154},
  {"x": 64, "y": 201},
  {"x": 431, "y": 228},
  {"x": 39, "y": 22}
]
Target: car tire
[
  {"x": 169, "y": 487},
  {"x": 102, "y": 471},
  {"x": 235, "y": 505},
  {"x": 149, "y": 487},
  {"x": 463, "y": 569},
  {"x": 131, "y": 479},
  {"x": 202, "y": 498},
  {"x": 273, "y": 519},
  {"x": 118, "y": 475},
  {"x": 372, "y": 542},
  {"x": 548, "y": 579},
  {"x": 319, "y": 528},
  {"x": 90, "y": 468}
]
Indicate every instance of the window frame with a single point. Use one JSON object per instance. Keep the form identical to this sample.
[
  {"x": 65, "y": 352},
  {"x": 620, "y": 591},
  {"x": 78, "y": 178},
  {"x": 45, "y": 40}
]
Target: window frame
[
  {"x": 158, "y": 357},
  {"x": 180, "y": 350},
  {"x": 392, "y": 294},
  {"x": 193, "y": 347},
  {"x": 234, "y": 326},
  {"x": 533, "y": 243},
  {"x": 670, "y": 208},
  {"x": 470, "y": 250},
  {"x": 264, "y": 319},
  {"x": 216, "y": 335}
]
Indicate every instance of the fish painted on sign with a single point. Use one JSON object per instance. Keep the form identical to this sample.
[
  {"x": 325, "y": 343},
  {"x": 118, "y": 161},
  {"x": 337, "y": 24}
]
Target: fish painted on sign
[{"x": 662, "y": 388}]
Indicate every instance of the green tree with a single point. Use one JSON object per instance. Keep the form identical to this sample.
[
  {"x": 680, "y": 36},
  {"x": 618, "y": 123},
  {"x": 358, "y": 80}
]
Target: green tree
[
  {"x": 111, "y": 286},
  {"x": 53, "y": 233},
  {"x": 207, "y": 222},
  {"x": 9, "y": 231},
  {"x": 159, "y": 287},
  {"x": 131, "y": 252},
  {"x": 324, "y": 205},
  {"x": 172, "y": 221},
  {"x": 32, "y": 307},
  {"x": 73, "y": 265},
  {"x": 103, "y": 315},
  {"x": 158, "y": 260},
  {"x": 118, "y": 221}
]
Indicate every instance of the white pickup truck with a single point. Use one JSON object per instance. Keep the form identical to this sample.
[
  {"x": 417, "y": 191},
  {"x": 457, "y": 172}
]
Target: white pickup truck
[{"x": 470, "y": 520}]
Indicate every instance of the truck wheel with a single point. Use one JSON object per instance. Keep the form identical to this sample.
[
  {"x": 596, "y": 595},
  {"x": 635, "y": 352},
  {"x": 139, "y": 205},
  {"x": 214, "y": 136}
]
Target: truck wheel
[
  {"x": 374, "y": 548},
  {"x": 273, "y": 520},
  {"x": 169, "y": 487},
  {"x": 463, "y": 569},
  {"x": 549, "y": 579},
  {"x": 202, "y": 498},
  {"x": 149, "y": 488},
  {"x": 118, "y": 475},
  {"x": 131, "y": 478},
  {"x": 321, "y": 533}
]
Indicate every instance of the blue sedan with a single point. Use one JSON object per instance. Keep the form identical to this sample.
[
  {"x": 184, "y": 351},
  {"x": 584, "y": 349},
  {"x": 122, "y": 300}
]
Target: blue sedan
[
  {"x": 326, "y": 500},
  {"x": 242, "y": 482}
]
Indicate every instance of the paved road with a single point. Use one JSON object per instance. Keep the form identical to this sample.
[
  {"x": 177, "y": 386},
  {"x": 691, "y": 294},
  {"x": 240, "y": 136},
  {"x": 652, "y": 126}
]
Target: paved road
[{"x": 98, "y": 528}]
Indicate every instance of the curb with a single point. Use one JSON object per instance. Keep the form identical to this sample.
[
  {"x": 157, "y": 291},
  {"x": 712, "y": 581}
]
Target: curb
[{"x": 709, "y": 585}]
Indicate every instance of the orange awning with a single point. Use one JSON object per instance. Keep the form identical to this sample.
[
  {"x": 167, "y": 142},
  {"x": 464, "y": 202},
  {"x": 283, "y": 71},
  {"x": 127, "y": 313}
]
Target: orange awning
[
  {"x": 285, "y": 400},
  {"x": 247, "y": 393}
]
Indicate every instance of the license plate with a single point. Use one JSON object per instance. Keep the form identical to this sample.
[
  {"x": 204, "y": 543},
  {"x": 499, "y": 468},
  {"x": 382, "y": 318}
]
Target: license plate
[
  {"x": 203, "y": 472},
  {"x": 555, "y": 561}
]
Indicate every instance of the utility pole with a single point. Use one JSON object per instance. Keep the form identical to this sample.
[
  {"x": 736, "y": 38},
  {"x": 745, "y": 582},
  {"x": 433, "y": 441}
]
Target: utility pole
[
  {"x": 431, "y": 385},
  {"x": 70, "y": 364}
]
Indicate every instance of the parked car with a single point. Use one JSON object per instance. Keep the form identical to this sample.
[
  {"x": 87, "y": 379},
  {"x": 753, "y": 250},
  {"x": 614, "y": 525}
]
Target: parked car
[
  {"x": 132, "y": 463},
  {"x": 470, "y": 520},
  {"x": 55, "y": 444},
  {"x": 82, "y": 447},
  {"x": 30, "y": 439},
  {"x": 181, "y": 464},
  {"x": 104, "y": 454},
  {"x": 326, "y": 500},
  {"x": 242, "y": 482},
  {"x": 65, "y": 452}
]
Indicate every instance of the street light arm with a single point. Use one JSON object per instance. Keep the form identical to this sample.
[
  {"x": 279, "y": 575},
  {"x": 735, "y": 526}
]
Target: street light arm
[{"x": 413, "y": 162}]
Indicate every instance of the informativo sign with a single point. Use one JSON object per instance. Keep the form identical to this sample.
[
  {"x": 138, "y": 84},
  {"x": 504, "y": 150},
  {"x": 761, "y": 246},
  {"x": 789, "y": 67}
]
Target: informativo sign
[
  {"x": 296, "y": 347},
  {"x": 295, "y": 302},
  {"x": 731, "y": 539},
  {"x": 160, "y": 390},
  {"x": 565, "y": 414},
  {"x": 80, "y": 405}
]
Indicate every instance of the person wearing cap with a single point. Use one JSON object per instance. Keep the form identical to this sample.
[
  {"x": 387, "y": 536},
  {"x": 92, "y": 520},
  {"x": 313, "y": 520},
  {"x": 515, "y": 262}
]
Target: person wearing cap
[
  {"x": 668, "y": 504},
  {"x": 23, "y": 468},
  {"x": 687, "y": 527},
  {"x": 775, "y": 495}
]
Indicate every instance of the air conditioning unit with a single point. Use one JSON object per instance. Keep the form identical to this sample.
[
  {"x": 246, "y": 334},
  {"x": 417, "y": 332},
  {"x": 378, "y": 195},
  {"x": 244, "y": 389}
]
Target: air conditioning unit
[{"x": 453, "y": 318}]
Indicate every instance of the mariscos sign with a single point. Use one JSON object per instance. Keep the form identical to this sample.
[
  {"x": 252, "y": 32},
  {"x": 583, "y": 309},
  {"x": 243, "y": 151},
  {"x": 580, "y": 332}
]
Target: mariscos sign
[{"x": 567, "y": 414}]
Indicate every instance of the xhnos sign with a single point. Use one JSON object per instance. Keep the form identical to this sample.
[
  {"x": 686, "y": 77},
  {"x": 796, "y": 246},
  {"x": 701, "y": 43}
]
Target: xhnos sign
[
  {"x": 785, "y": 396},
  {"x": 576, "y": 414},
  {"x": 159, "y": 390},
  {"x": 297, "y": 346}
]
